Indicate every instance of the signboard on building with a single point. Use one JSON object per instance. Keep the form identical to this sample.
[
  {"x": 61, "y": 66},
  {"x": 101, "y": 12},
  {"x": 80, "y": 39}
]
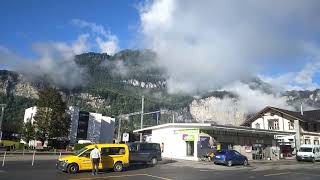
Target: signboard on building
[
  {"x": 125, "y": 137},
  {"x": 187, "y": 131},
  {"x": 188, "y": 137},
  {"x": 248, "y": 149}
]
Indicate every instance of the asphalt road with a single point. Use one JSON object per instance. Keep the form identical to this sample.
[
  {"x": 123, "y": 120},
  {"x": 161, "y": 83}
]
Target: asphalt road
[{"x": 180, "y": 170}]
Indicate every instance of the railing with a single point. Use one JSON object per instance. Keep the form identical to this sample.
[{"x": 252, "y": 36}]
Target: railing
[{"x": 30, "y": 156}]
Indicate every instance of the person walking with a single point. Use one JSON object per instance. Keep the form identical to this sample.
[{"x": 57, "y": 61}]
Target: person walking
[{"x": 95, "y": 157}]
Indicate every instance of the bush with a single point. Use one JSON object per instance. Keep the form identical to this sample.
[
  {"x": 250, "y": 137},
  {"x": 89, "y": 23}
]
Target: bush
[{"x": 80, "y": 146}]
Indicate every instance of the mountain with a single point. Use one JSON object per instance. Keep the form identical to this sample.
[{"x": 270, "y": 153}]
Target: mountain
[{"x": 113, "y": 85}]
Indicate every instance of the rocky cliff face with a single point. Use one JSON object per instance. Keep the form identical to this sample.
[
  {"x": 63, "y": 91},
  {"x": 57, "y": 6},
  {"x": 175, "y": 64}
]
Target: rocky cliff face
[
  {"x": 217, "y": 110},
  {"x": 13, "y": 84},
  {"x": 16, "y": 85}
]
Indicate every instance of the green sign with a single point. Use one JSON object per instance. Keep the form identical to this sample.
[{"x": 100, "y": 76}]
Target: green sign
[
  {"x": 187, "y": 137},
  {"x": 187, "y": 131}
]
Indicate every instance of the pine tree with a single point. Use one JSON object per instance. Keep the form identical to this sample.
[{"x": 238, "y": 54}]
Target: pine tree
[
  {"x": 42, "y": 121},
  {"x": 51, "y": 119},
  {"x": 28, "y": 132}
]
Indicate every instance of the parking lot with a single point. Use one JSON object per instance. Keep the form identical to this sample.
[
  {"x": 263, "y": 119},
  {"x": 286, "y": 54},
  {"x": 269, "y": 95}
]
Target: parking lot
[{"x": 168, "y": 170}]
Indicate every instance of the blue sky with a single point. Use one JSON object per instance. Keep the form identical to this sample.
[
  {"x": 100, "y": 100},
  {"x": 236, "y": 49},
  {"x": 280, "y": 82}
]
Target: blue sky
[{"x": 27, "y": 22}]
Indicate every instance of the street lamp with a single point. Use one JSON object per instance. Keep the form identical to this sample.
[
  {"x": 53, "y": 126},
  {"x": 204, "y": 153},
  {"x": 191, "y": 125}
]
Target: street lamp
[{"x": 1, "y": 119}]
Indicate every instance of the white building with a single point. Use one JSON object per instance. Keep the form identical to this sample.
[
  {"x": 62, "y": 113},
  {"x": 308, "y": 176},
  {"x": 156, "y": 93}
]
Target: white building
[
  {"x": 188, "y": 140},
  {"x": 29, "y": 114},
  {"x": 84, "y": 126},
  {"x": 304, "y": 127},
  {"x": 90, "y": 126}
]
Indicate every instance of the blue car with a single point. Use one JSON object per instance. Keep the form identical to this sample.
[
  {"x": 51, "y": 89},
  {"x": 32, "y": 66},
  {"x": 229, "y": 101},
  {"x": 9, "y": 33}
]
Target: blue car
[{"x": 229, "y": 158}]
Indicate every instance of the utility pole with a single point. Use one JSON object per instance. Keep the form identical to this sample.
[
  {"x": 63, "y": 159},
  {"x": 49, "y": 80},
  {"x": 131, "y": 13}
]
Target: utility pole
[
  {"x": 141, "y": 123},
  {"x": 157, "y": 118},
  {"x": 119, "y": 129},
  {"x": 173, "y": 118},
  {"x": 1, "y": 119}
]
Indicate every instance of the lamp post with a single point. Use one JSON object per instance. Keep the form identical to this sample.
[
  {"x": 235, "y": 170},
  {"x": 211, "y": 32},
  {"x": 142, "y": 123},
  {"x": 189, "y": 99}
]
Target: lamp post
[{"x": 1, "y": 119}]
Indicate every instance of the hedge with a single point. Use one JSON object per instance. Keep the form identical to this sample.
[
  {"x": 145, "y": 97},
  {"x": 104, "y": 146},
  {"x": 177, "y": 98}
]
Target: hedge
[{"x": 80, "y": 146}]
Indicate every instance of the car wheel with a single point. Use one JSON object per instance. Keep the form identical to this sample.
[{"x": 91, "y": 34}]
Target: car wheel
[
  {"x": 154, "y": 161},
  {"x": 229, "y": 163},
  {"x": 245, "y": 163},
  {"x": 118, "y": 167},
  {"x": 73, "y": 168}
]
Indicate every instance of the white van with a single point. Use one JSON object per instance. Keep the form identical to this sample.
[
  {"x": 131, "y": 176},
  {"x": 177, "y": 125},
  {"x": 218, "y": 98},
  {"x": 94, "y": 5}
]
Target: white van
[{"x": 308, "y": 152}]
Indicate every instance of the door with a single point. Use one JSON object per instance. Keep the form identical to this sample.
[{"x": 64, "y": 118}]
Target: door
[
  {"x": 84, "y": 159},
  {"x": 317, "y": 153},
  {"x": 190, "y": 148},
  {"x": 239, "y": 157},
  {"x": 145, "y": 150},
  {"x": 110, "y": 155},
  {"x": 133, "y": 156}
]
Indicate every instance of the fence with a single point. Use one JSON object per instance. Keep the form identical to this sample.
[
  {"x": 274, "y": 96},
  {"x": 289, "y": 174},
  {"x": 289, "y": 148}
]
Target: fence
[{"x": 30, "y": 156}]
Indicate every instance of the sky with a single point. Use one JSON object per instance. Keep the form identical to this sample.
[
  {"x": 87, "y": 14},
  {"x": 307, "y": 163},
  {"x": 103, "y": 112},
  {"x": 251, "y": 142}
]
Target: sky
[
  {"x": 26, "y": 22},
  {"x": 203, "y": 45}
]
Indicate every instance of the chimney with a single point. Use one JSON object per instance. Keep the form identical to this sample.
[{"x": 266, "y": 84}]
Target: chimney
[{"x": 301, "y": 109}]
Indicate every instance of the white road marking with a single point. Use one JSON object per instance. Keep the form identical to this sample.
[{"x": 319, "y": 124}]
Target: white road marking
[
  {"x": 307, "y": 174},
  {"x": 276, "y": 174}
]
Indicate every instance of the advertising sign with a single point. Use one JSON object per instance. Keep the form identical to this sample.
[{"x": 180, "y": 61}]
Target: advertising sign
[{"x": 187, "y": 137}]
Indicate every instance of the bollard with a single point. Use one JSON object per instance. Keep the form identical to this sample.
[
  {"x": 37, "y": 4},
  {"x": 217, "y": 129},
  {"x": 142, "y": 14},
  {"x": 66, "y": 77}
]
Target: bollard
[
  {"x": 23, "y": 152},
  {"x": 4, "y": 158},
  {"x": 34, "y": 153},
  {"x": 60, "y": 155}
]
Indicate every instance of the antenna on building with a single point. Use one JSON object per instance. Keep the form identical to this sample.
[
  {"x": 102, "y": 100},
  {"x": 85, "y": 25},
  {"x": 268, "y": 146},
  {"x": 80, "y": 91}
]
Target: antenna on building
[{"x": 301, "y": 109}]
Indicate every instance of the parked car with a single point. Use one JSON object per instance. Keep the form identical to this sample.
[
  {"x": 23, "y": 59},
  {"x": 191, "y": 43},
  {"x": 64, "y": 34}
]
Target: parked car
[
  {"x": 113, "y": 156},
  {"x": 308, "y": 152},
  {"x": 144, "y": 153},
  {"x": 229, "y": 158}
]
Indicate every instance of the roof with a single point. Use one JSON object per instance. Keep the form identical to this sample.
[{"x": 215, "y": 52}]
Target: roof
[
  {"x": 208, "y": 126},
  {"x": 308, "y": 116}
]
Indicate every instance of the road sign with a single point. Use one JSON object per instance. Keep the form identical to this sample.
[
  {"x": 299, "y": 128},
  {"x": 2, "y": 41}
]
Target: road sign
[{"x": 125, "y": 137}]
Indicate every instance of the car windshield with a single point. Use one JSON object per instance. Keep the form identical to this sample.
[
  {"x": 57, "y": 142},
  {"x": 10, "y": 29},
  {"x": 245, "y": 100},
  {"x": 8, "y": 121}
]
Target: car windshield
[
  {"x": 80, "y": 151},
  {"x": 305, "y": 149}
]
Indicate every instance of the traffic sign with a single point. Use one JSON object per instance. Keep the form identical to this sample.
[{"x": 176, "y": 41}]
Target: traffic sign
[{"x": 125, "y": 137}]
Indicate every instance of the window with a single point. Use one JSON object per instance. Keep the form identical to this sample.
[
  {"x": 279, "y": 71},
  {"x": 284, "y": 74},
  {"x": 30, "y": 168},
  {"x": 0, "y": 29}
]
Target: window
[
  {"x": 307, "y": 141},
  {"x": 315, "y": 127},
  {"x": 257, "y": 126},
  {"x": 133, "y": 147},
  {"x": 273, "y": 124},
  {"x": 149, "y": 146},
  {"x": 316, "y": 142},
  {"x": 86, "y": 153},
  {"x": 291, "y": 125},
  {"x": 112, "y": 151}
]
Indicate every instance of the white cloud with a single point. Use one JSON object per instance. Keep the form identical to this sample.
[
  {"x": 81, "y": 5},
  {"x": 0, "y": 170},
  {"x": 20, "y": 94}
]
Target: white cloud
[
  {"x": 250, "y": 100},
  {"x": 211, "y": 44},
  {"x": 55, "y": 63},
  {"x": 106, "y": 41},
  {"x": 109, "y": 46}
]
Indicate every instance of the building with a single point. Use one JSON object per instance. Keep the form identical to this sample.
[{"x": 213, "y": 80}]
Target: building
[
  {"x": 90, "y": 126},
  {"x": 304, "y": 127},
  {"x": 84, "y": 126},
  {"x": 186, "y": 140},
  {"x": 29, "y": 114}
]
